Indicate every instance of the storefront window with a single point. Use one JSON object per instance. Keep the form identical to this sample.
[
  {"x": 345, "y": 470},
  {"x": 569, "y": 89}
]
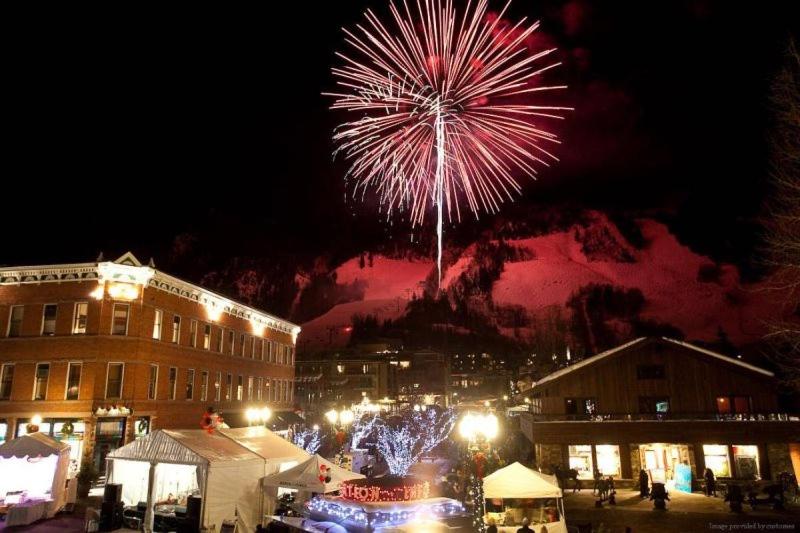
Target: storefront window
[
  {"x": 3, "y": 430},
  {"x": 717, "y": 459},
  {"x": 608, "y": 462},
  {"x": 746, "y": 459},
  {"x": 580, "y": 458}
]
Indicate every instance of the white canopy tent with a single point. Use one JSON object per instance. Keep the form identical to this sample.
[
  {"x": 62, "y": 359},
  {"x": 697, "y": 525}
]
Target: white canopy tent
[
  {"x": 37, "y": 464},
  {"x": 517, "y": 482},
  {"x": 278, "y": 453},
  {"x": 305, "y": 476},
  {"x": 225, "y": 473}
]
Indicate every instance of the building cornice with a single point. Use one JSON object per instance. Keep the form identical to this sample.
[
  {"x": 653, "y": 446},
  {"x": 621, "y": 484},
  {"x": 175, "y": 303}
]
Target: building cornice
[{"x": 127, "y": 269}]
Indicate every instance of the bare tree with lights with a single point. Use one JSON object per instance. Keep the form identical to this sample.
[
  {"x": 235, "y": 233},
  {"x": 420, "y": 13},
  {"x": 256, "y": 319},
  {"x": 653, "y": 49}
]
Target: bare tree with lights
[
  {"x": 783, "y": 235},
  {"x": 309, "y": 439},
  {"x": 401, "y": 443}
]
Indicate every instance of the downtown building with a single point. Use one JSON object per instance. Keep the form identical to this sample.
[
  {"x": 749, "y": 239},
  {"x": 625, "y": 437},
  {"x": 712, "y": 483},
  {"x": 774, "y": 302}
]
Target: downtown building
[
  {"x": 655, "y": 403},
  {"x": 113, "y": 350}
]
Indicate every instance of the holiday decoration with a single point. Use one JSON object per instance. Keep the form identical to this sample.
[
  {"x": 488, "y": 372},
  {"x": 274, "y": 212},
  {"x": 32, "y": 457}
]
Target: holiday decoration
[
  {"x": 310, "y": 439},
  {"x": 211, "y": 420},
  {"x": 401, "y": 443},
  {"x": 67, "y": 429},
  {"x": 478, "y": 504},
  {"x": 385, "y": 490}
]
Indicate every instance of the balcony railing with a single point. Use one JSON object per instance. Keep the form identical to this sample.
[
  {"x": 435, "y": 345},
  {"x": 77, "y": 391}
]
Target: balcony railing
[{"x": 647, "y": 417}]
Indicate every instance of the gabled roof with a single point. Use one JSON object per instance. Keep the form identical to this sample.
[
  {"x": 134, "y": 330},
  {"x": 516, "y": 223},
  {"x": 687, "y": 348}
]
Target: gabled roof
[
  {"x": 641, "y": 340},
  {"x": 519, "y": 481},
  {"x": 186, "y": 446},
  {"x": 32, "y": 445}
]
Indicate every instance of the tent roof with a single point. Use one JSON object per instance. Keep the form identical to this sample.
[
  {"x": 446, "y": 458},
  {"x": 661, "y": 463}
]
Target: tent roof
[
  {"x": 32, "y": 445},
  {"x": 305, "y": 476},
  {"x": 518, "y": 481},
  {"x": 188, "y": 446},
  {"x": 266, "y": 444}
]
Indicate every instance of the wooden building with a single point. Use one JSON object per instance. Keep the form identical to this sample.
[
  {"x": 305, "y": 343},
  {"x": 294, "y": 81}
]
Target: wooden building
[{"x": 655, "y": 403}]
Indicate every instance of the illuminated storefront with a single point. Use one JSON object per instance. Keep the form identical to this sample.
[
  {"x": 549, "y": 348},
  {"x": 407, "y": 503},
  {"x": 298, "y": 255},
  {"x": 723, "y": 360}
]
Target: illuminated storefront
[
  {"x": 660, "y": 460},
  {"x": 580, "y": 458},
  {"x": 67, "y": 430},
  {"x": 745, "y": 460},
  {"x": 716, "y": 457},
  {"x": 608, "y": 460}
]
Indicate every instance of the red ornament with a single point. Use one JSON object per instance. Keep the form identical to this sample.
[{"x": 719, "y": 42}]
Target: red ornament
[{"x": 480, "y": 463}]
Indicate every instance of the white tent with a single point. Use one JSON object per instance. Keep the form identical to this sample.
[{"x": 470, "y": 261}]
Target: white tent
[
  {"x": 225, "y": 473},
  {"x": 517, "y": 482},
  {"x": 305, "y": 476},
  {"x": 278, "y": 453},
  {"x": 37, "y": 464}
]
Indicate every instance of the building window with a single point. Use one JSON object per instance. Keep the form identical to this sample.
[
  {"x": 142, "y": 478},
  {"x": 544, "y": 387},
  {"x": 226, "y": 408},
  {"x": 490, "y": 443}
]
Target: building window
[
  {"x": 269, "y": 351},
  {"x": 229, "y": 388},
  {"x": 218, "y": 387},
  {"x": 733, "y": 404},
  {"x": 654, "y": 404},
  {"x": 262, "y": 347},
  {"x": 15, "y": 320},
  {"x": 252, "y": 347},
  {"x": 49, "y": 313},
  {"x": 580, "y": 458},
  {"x": 220, "y": 339},
  {"x": 173, "y": 382},
  {"x": 259, "y": 388},
  {"x": 6, "y": 381},
  {"x": 79, "y": 318},
  {"x": 193, "y": 333},
  {"x": 152, "y": 383},
  {"x": 158, "y": 318},
  {"x": 240, "y": 388},
  {"x": 250, "y": 381},
  {"x": 745, "y": 457},
  {"x": 207, "y": 337},
  {"x": 580, "y": 406},
  {"x": 73, "y": 381},
  {"x": 120, "y": 324},
  {"x": 114, "y": 376},
  {"x": 241, "y": 344},
  {"x": 650, "y": 372},
  {"x": 608, "y": 461},
  {"x": 717, "y": 459},
  {"x": 203, "y": 385},
  {"x": 40, "y": 381},
  {"x": 176, "y": 329},
  {"x": 190, "y": 384}
]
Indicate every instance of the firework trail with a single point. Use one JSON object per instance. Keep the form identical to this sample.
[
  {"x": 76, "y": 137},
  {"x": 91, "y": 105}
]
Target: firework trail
[{"x": 440, "y": 119}]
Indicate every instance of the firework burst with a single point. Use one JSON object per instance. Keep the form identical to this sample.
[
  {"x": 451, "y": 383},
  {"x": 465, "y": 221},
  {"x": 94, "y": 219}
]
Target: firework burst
[{"x": 443, "y": 108}]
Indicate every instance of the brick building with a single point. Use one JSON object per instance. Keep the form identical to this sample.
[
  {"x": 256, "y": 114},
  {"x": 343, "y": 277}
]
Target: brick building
[
  {"x": 115, "y": 349},
  {"x": 655, "y": 403}
]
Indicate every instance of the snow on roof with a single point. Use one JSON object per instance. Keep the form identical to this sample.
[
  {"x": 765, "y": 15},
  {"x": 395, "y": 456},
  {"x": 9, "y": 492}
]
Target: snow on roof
[
  {"x": 586, "y": 362},
  {"x": 594, "y": 359}
]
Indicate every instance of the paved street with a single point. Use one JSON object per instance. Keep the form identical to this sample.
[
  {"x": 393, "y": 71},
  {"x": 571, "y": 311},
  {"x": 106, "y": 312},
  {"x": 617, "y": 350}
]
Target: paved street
[{"x": 685, "y": 513}]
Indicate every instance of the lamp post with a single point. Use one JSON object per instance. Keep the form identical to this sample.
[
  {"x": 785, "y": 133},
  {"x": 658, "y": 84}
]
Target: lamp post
[
  {"x": 258, "y": 417},
  {"x": 478, "y": 430}
]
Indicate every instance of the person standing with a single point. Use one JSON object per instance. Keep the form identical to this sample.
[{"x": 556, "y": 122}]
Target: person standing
[
  {"x": 711, "y": 482},
  {"x": 492, "y": 526},
  {"x": 525, "y": 528},
  {"x": 644, "y": 483}
]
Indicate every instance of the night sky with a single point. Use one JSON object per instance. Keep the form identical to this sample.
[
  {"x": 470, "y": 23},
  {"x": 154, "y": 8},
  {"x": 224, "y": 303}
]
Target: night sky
[{"x": 118, "y": 138}]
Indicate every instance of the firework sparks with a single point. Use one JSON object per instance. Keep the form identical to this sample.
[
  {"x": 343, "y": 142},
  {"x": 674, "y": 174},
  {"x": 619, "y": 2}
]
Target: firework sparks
[{"x": 440, "y": 115}]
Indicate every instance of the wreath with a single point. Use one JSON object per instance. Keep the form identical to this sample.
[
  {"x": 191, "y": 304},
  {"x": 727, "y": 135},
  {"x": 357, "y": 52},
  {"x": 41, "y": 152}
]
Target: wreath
[
  {"x": 143, "y": 426},
  {"x": 67, "y": 429}
]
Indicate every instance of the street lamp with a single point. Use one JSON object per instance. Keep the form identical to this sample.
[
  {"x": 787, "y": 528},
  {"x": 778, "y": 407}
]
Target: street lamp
[
  {"x": 332, "y": 416},
  {"x": 477, "y": 429},
  {"x": 257, "y": 417},
  {"x": 346, "y": 417}
]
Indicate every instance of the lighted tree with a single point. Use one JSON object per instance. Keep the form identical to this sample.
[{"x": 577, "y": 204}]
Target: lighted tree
[
  {"x": 309, "y": 439},
  {"x": 402, "y": 442},
  {"x": 363, "y": 429}
]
